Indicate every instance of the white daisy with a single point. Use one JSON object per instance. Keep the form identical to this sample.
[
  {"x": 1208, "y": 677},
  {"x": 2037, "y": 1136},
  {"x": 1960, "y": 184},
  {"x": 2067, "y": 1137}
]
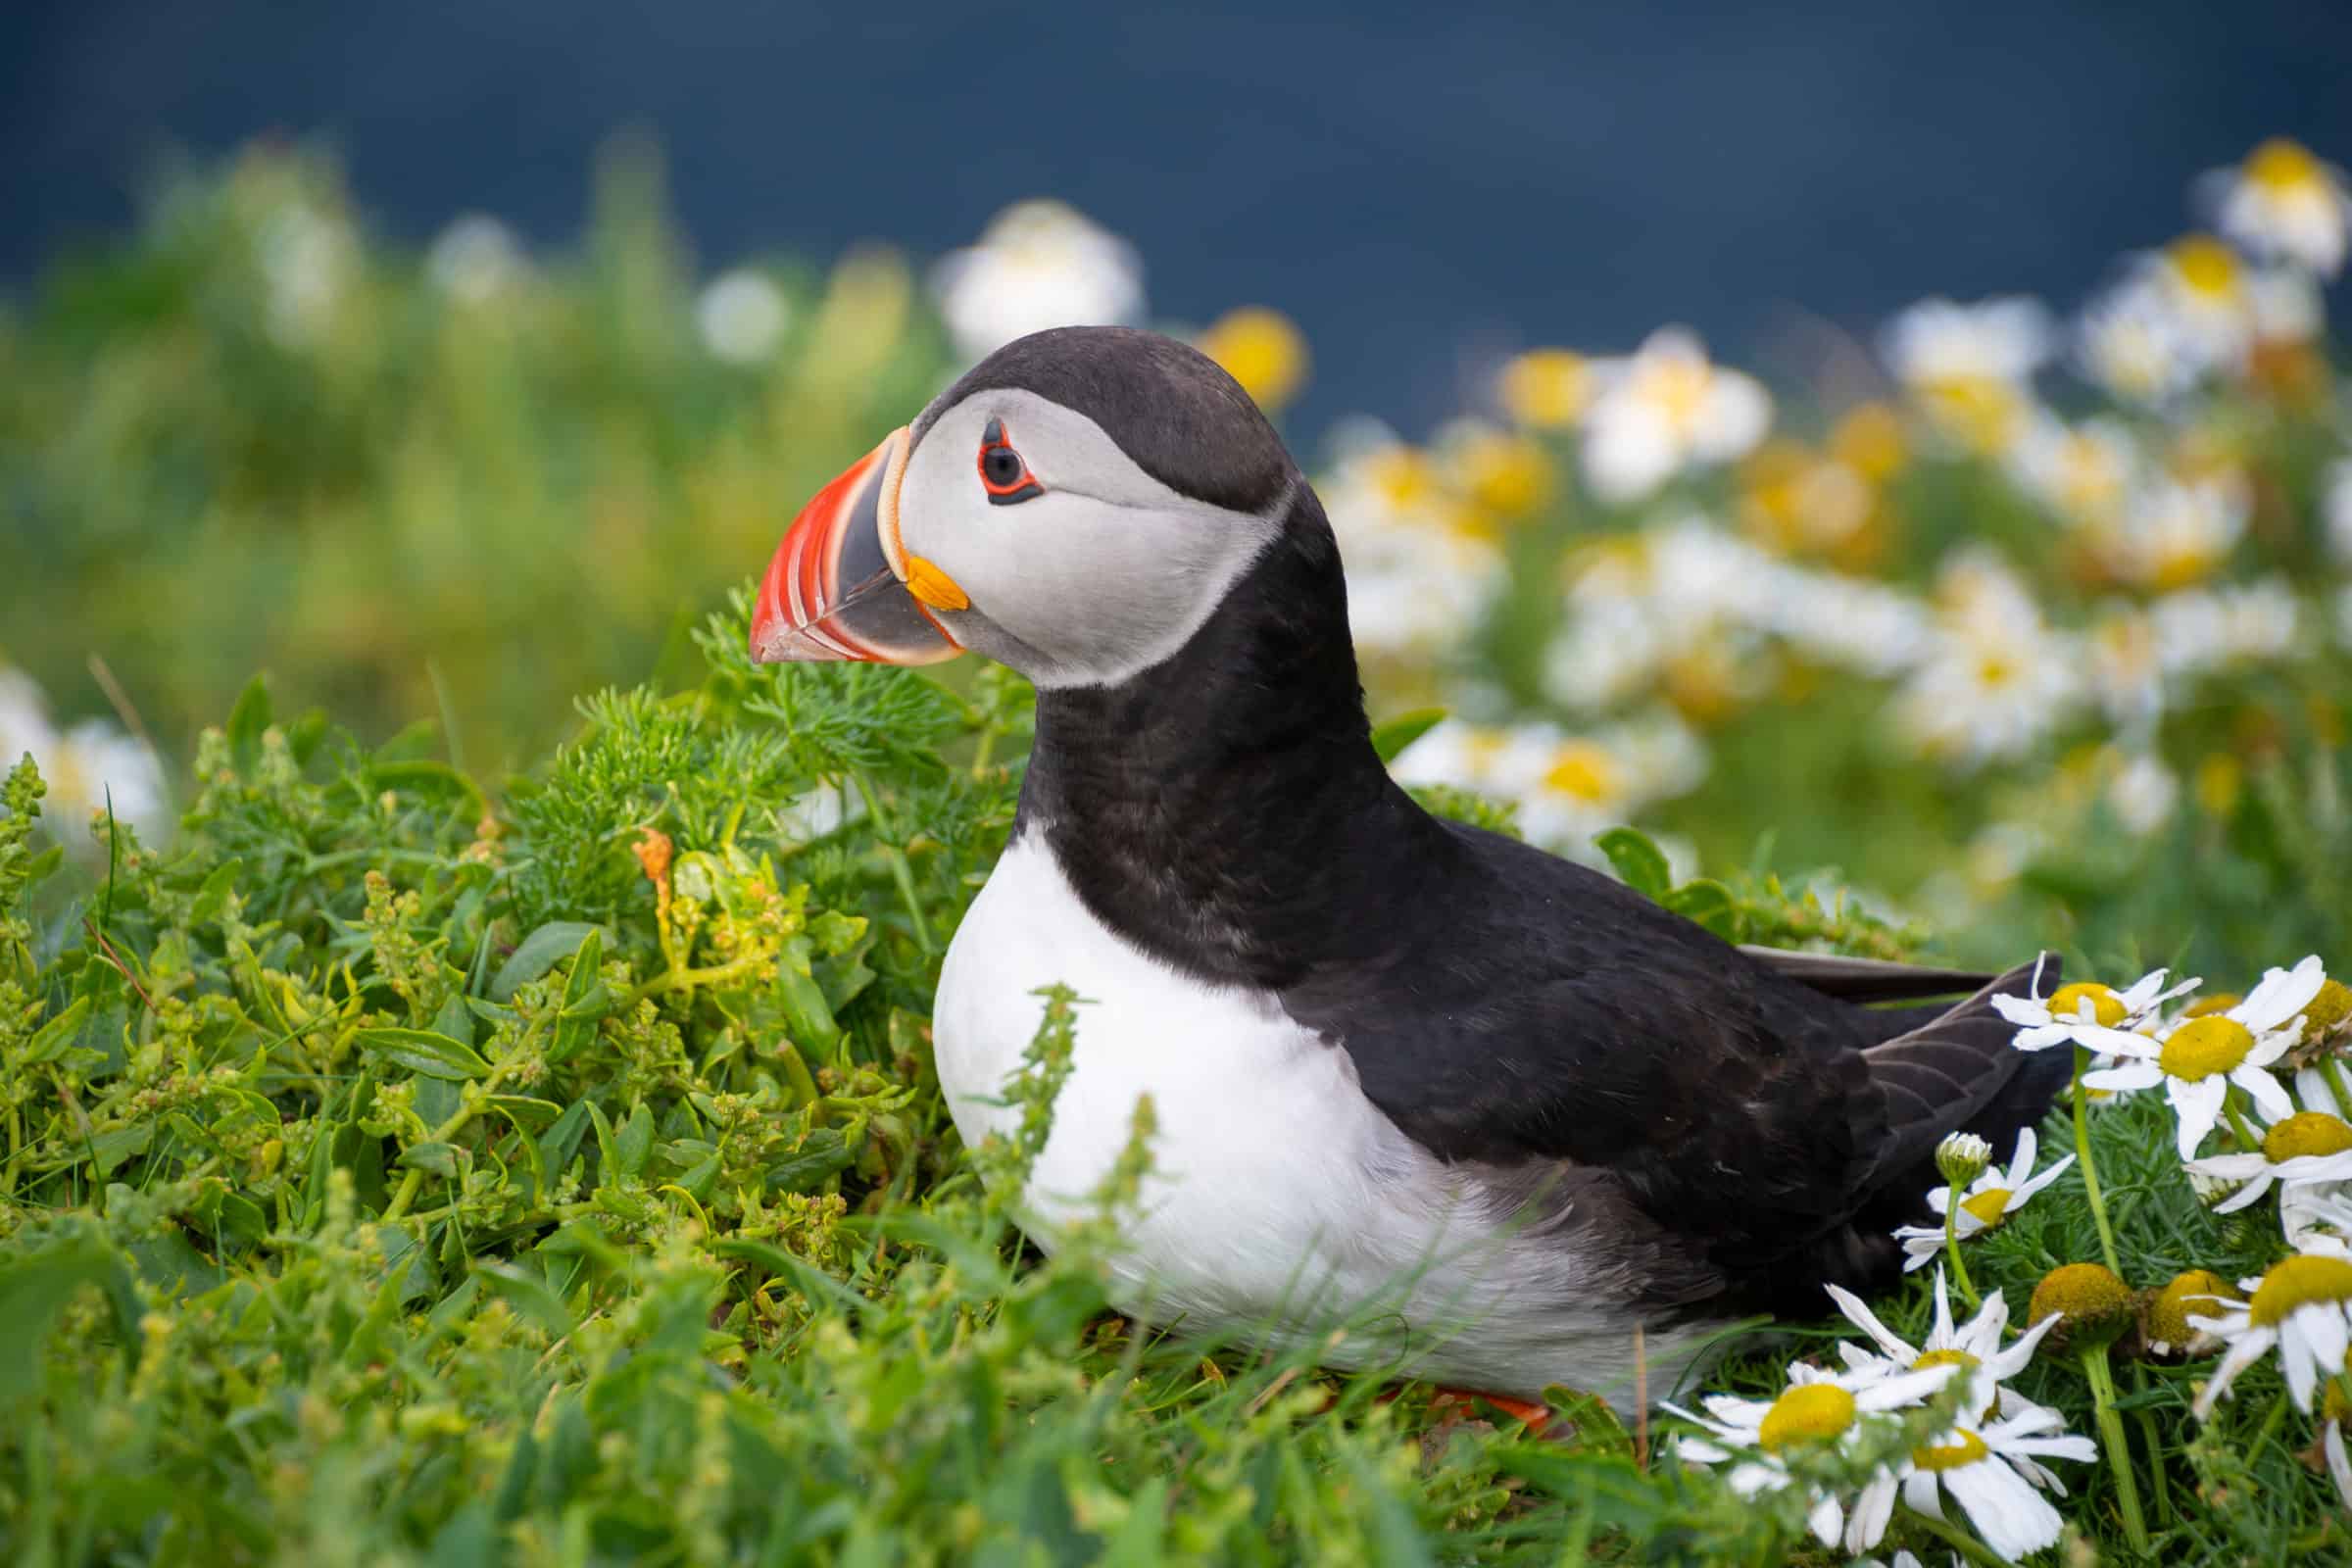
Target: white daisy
[
  {"x": 2285, "y": 204},
  {"x": 1995, "y": 1474},
  {"x": 2299, "y": 1149},
  {"x": 2199, "y": 1058},
  {"x": 2303, "y": 1305},
  {"x": 1989, "y": 1203},
  {"x": 1666, "y": 408},
  {"x": 2088, "y": 1013},
  {"x": 1974, "y": 1344},
  {"x": 1756, "y": 1437},
  {"x": 2131, "y": 342}
]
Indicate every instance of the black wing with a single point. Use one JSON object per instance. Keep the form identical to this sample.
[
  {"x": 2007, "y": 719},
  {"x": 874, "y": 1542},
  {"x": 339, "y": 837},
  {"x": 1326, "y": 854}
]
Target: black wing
[{"x": 1530, "y": 1010}]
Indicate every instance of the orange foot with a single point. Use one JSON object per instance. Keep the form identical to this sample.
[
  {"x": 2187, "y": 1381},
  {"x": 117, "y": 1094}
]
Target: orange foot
[{"x": 1536, "y": 1416}]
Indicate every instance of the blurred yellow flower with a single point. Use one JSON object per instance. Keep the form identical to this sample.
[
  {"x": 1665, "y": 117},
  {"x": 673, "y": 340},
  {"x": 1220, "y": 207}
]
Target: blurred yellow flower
[
  {"x": 2282, "y": 203},
  {"x": 2220, "y": 782},
  {"x": 1869, "y": 439},
  {"x": 1794, "y": 500},
  {"x": 1546, "y": 389},
  {"x": 1502, "y": 475},
  {"x": 1263, "y": 349}
]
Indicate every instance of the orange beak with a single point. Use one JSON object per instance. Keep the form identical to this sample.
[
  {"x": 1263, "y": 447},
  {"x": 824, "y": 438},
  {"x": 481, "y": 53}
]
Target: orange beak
[{"x": 838, "y": 587}]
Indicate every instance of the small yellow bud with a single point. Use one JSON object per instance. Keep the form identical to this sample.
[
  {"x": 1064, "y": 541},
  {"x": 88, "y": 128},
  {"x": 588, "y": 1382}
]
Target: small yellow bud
[{"x": 2094, "y": 1305}]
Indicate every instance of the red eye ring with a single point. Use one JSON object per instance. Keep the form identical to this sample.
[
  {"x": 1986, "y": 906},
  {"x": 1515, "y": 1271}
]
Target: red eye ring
[{"x": 1003, "y": 473}]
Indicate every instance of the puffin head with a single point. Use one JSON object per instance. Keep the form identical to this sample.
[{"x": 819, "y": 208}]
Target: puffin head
[{"x": 1076, "y": 507}]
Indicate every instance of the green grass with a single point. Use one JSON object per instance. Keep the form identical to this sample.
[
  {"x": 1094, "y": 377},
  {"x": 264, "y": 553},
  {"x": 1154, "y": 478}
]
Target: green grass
[{"x": 387, "y": 1181}]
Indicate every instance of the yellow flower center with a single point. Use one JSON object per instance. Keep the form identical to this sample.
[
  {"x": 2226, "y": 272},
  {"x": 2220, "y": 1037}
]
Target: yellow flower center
[
  {"x": 1402, "y": 475},
  {"x": 2283, "y": 167},
  {"x": 2203, "y": 1047},
  {"x": 2299, "y": 1282},
  {"x": 2168, "y": 1316},
  {"x": 2305, "y": 1135},
  {"x": 2219, "y": 1001},
  {"x": 1991, "y": 1206},
  {"x": 2334, "y": 1404},
  {"x": 2205, "y": 265},
  {"x": 1811, "y": 1412},
  {"x": 1261, "y": 349},
  {"x": 1546, "y": 389},
  {"x": 1508, "y": 475},
  {"x": 2080, "y": 1292},
  {"x": 1967, "y": 1450},
  {"x": 1982, "y": 410},
  {"x": 2106, "y": 1008},
  {"x": 1584, "y": 771},
  {"x": 1934, "y": 1359},
  {"x": 1678, "y": 386},
  {"x": 2331, "y": 1006},
  {"x": 1995, "y": 670}
]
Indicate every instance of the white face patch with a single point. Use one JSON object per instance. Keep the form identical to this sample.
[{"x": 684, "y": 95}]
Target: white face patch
[{"x": 1105, "y": 574}]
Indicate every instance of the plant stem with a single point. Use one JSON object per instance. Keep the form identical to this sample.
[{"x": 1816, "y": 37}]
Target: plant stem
[
  {"x": 1960, "y": 1540},
  {"x": 1951, "y": 1243},
  {"x": 2246, "y": 1141},
  {"x": 687, "y": 979},
  {"x": 2333, "y": 1071},
  {"x": 2119, "y": 1453},
  {"x": 414, "y": 1181},
  {"x": 901, "y": 870},
  {"x": 2269, "y": 1423},
  {"x": 2090, "y": 1169}
]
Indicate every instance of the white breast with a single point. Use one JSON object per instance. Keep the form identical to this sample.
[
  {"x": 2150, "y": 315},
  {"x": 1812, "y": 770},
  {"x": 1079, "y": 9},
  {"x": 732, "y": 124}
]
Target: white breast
[{"x": 1280, "y": 1197}]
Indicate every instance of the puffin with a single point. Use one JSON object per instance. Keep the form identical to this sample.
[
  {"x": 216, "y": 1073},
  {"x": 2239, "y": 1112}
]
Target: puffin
[{"x": 1424, "y": 1096}]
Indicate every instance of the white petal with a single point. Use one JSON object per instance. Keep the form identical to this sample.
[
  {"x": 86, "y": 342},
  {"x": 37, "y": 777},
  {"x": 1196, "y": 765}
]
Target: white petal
[
  {"x": 1749, "y": 1479},
  {"x": 2301, "y": 1368},
  {"x": 2244, "y": 1352},
  {"x": 1921, "y": 1495},
  {"x": 1825, "y": 1519},
  {"x": 2323, "y": 1328},
  {"x": 2281, "y": 995},
  {"x": 2245, "y": 1196},
  {"x": 2131, "y": 1075},
  {"x": 1909, "y": 1389},
  {"x": 1872, "y": 1510},
  {"x": 2339, "y": 1469},
  {"x": 2029, "y": 1189},
  {"x": 2009, "y": 1362},
  {"x": 2009, "y": 1514},
  {"x": 2022, "y": 1166},
  {"x": 1941, "y": 1334},
  {"x": 2231, "y": 1167},
  {"x": 1863, "y": 1319},
  {"x": 2268, "y": 1049},
  {"x": 2022, "y": 1009},
  {"x": 2198, "y": 1105},
  {"x": 2266, "y": 1091}
]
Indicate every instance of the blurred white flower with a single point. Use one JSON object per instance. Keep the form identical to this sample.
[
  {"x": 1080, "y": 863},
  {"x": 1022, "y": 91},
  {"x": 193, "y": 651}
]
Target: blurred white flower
[
  {"x": 2125, "y": 666},
  {"x": 2205, "y": 628},
  {"x": 2207, "y": 290},
  {"x": 2131, "y": 342},
  {"x": 2286, "y": 305},
  {"x": 1666, "y": 408},
  {"x": 1972, "y": 367},
  {"x": 305, "y": 258},
  {"x": 1039, "y": 264},
  {"x": 742, "y": 315},
  {"x": 87, "y": 769},
  {"x": 1418, "y": 575},
  {"x": 1997, "y": 679},
  {"x": 476, "y": 259},
  {"x": 2283, "y": 204},
  {"x": 1566, "y": 787},
  {"x": 2084, "y": 472},
  {"x": 2144, "y": 794},
  {"x": 2176, "y": 533}
]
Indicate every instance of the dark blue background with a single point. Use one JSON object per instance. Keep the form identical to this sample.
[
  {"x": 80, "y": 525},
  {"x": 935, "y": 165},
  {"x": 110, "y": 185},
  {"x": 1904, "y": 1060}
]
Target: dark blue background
[{"x": 1418, "y": 184}]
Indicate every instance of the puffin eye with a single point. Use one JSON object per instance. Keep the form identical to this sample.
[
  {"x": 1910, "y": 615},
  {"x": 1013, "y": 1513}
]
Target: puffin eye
[{"x": 1003, "y": 473}]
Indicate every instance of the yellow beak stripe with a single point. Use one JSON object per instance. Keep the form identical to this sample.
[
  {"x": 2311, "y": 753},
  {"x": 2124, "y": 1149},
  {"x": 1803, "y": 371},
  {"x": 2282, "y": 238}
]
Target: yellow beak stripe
[{"x": 933, "y": 586}]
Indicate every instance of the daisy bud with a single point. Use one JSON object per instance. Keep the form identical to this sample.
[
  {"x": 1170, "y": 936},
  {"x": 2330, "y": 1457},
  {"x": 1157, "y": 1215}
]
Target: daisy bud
[
  {"x": 2095, "y": 1306},
  {"x": 2165, "y": 1325},
  {"x": 1962, "y": 1157}
]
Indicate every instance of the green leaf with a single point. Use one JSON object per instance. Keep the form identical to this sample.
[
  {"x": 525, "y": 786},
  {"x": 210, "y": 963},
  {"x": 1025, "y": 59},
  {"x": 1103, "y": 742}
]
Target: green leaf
[
  {"x": 1393, "y": 737},
  {"x": 635, "y": 1139},
  {"x": 532, "y": 1116},
  {"x": 1707, "y": 903},
  {"x": 537, "y": 954},
  {"x": 246, "y": 723},
  {"x": 1640, "y": 864},
  {"x": 52, "y": 1039},
  {"x": 439, "y": 1158},
  {"x": 585, "y": 999},
  {"x": 34, "y": 1290},
  {"x": 562, "y": 1140},
  {"x": 456, "y": 1020},
  {"x": 212, "y": 896},
  {"x": 425, "y": 1053},
  {"x": 529, "y": 1295}
]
